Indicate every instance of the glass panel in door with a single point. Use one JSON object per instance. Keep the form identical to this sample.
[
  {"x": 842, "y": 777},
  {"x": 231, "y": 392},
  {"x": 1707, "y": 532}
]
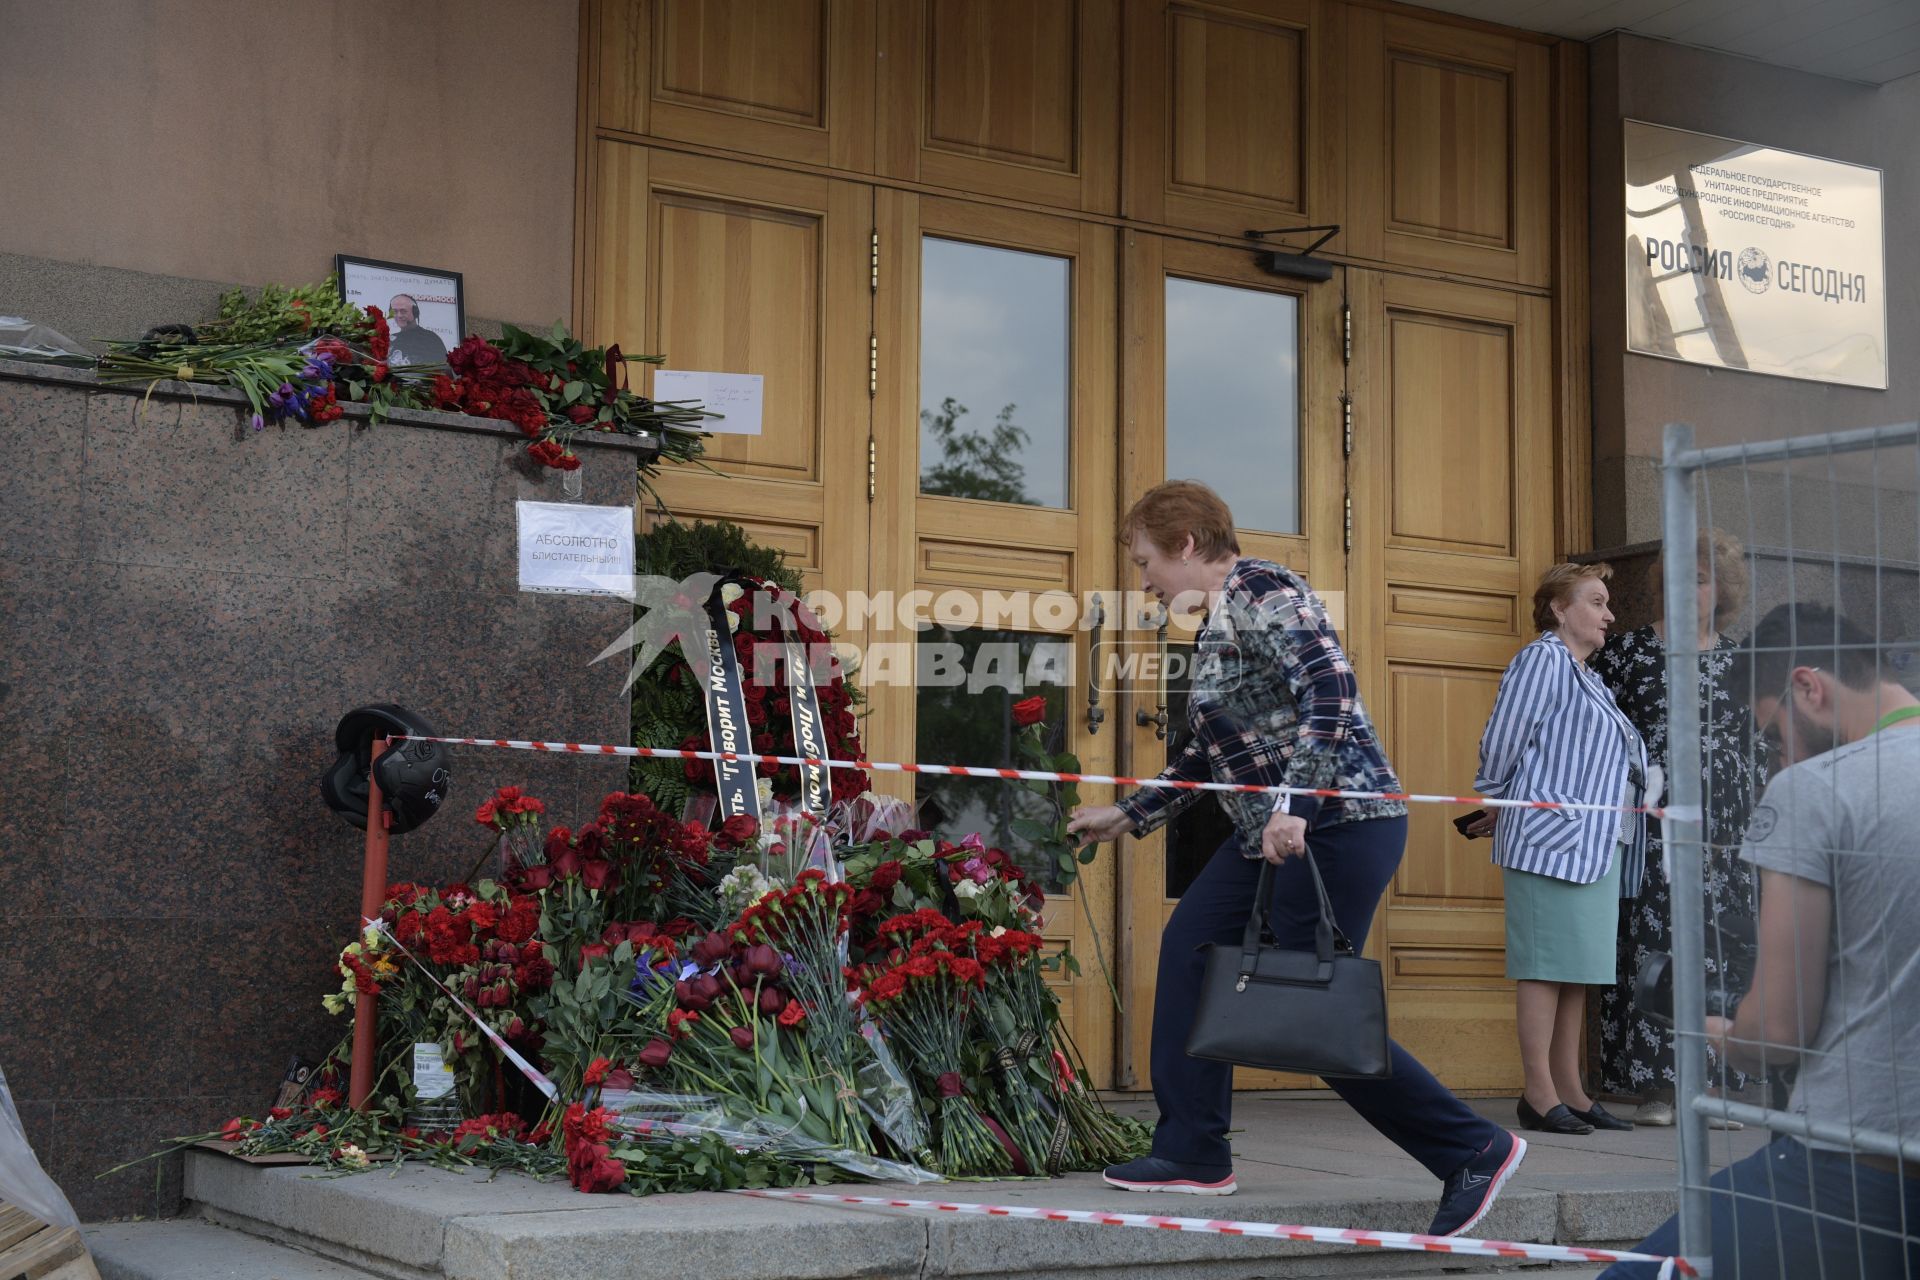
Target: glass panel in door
[
  {"x": 1233, "y": 398},
  {"x": 994, "y": 365}
]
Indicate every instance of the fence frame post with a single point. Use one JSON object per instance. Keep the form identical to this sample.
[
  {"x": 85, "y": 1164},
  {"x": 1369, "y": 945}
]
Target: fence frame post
[{"x": 1681, "y": 838}]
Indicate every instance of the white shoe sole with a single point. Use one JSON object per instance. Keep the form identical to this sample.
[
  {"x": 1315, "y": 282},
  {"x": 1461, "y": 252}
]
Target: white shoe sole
[
  {"x": 1184, "y": 1187},
  {"x": 1514, "y": 1158}
]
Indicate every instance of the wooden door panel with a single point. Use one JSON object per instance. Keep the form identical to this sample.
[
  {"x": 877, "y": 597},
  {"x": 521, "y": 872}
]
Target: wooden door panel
[
  {"x": 1315, "y": 551},
  {"x": 761, "y": 316},
  {"x": 1450, "y": 382},
  {"x": 1003, "y": 97},
  {"x": 790, "y": 79},
  {"x": 1450, "y": 147},
  {"x": 1433, "y": 715},
  {"x": 988, "y": 551},
  {"x": 1233, "y": 122},
  {"x": 1454, "y": 521},
  {"x": 729, "y": 268}
]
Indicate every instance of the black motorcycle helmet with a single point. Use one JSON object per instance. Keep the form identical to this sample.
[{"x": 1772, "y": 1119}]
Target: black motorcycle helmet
[{"x": 413, "y": 776}]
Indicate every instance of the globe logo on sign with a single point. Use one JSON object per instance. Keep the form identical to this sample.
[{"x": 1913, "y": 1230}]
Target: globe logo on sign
[{"x": 1753, "y": 268}]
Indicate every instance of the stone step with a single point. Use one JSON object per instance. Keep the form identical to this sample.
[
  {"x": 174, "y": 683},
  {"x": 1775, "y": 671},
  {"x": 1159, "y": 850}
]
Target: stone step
[
  {"x": 191, "y": 1249},
  {"x": 420, "y": 1223}
]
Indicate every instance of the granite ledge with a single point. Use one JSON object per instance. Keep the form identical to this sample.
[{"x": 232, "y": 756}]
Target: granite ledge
[{"x": 85, "y": 380}]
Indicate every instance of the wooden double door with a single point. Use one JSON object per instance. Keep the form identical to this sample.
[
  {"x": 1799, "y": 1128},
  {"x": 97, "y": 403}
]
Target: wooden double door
[{"x": 960, "y": 399}]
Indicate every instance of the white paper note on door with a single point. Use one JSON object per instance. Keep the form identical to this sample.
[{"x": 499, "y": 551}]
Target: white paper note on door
[{"x": 734, "y": 396}]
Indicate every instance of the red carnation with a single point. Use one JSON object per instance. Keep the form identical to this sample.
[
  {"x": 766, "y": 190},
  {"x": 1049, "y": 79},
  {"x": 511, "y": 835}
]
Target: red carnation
[
  {"x": 793, "y": 1015},
  {"x": 602, "y": 1175},
  {"x": 597, "y": 1071}
]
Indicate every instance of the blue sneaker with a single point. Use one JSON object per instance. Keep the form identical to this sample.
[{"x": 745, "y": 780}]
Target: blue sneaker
[
  {"x": 1470, "y": 1189},
  {"x": 1151, "y": 1173}
]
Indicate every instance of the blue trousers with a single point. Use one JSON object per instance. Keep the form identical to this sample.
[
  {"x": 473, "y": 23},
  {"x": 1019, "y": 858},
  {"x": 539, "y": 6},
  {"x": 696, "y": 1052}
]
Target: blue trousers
[
  {"x": 1357, "y": 860},
  {"x": 1789, "y": 1212}
]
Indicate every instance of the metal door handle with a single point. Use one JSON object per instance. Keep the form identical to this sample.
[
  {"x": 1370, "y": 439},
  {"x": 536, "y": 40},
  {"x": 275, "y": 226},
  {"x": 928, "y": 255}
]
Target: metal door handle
[
  {"x": 1159, "y": 718},
  {"x": 1096, "y": 714}
]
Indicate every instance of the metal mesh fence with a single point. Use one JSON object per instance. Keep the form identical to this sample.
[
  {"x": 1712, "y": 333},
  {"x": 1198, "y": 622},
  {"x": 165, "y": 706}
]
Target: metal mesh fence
[{"x": 1796, "y": 905}]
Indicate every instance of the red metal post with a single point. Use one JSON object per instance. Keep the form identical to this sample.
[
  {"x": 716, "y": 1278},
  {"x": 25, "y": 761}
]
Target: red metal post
[{"x": 373, "y": 893}]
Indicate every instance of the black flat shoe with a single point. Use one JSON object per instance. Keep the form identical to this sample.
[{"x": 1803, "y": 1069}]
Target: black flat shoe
[
  {"x": 1560, "y": 1118},
  {"x": 1601, "y": 1118}
]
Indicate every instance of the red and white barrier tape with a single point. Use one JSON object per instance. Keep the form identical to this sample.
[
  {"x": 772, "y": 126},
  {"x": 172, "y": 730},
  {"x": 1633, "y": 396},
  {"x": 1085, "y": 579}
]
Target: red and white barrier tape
[
  {"x": 533, "y": 1074},
  {"x": 1407, "y": 1241},
  {"x": 1674, "y": 812}
]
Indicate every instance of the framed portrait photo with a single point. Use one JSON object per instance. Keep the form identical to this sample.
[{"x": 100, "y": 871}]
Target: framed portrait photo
[{"x": 426, "y": 314}]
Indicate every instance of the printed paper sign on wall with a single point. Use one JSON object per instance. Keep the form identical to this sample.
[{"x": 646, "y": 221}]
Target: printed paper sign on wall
[
  {"x": 568, "y": 549},
  {"x": 1750, "y": 257}
]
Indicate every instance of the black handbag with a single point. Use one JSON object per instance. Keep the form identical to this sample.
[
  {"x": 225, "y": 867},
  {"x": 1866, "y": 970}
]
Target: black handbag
[{"x": 1321, "y": 1012}]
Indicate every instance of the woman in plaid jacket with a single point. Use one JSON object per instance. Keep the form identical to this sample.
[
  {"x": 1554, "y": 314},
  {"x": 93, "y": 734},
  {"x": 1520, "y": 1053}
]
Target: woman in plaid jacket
[{"x": 1274, "y": 703}]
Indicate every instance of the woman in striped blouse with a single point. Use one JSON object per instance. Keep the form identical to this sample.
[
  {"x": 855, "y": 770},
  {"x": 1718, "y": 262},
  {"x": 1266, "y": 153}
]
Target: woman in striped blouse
[{"x": 1556, "y": 735}]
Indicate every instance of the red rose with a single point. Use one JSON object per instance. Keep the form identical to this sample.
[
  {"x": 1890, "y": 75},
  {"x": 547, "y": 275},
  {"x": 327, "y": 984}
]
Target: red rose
[
  {"x": 599, "y": 874},
  {"x": 597, "y": 1071},
  {"x": 736, "y": 831},
  {"x": 688, "y": 997},
  {"x": 656, "y": 1053},
  {"x": 772, "y": 1001},
  {"x": 696, "y": 770},
  {"x": 742, "y": 1037},
  {"x": 534, "y": 974},
  {"x": 235, "y": 1129},
  {"x": 591, "y": 952},
  {"x": 1030, "y": 710},
  {"x": 580, "y": 414}
]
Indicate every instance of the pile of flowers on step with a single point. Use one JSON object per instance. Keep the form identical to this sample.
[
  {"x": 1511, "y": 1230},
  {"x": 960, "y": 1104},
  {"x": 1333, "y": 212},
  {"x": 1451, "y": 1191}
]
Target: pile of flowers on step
[{"x": 648, "y": 1004}]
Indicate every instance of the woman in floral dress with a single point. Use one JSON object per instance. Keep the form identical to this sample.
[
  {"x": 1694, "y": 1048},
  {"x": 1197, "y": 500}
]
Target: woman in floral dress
[{"x": 1637, "y": 1052}]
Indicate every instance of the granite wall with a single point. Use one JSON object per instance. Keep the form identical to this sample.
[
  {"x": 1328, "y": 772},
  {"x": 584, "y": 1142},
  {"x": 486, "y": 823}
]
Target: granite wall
[{"x": 190, "y": 607}]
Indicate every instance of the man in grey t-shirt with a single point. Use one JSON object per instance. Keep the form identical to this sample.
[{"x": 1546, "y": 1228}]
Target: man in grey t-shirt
[{"x": 1836, "y": 985}]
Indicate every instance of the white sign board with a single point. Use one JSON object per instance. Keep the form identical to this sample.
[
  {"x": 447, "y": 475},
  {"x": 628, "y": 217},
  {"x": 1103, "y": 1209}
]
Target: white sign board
[
  {"x": 1750, "y": 257},
  {"x": 569, "y": 549},
  {"x": 735, "y": 397}
]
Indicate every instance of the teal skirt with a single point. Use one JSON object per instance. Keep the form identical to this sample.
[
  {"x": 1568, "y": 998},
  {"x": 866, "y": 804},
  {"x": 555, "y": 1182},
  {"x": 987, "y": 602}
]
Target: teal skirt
[{"x": 1559, "y": 931}]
